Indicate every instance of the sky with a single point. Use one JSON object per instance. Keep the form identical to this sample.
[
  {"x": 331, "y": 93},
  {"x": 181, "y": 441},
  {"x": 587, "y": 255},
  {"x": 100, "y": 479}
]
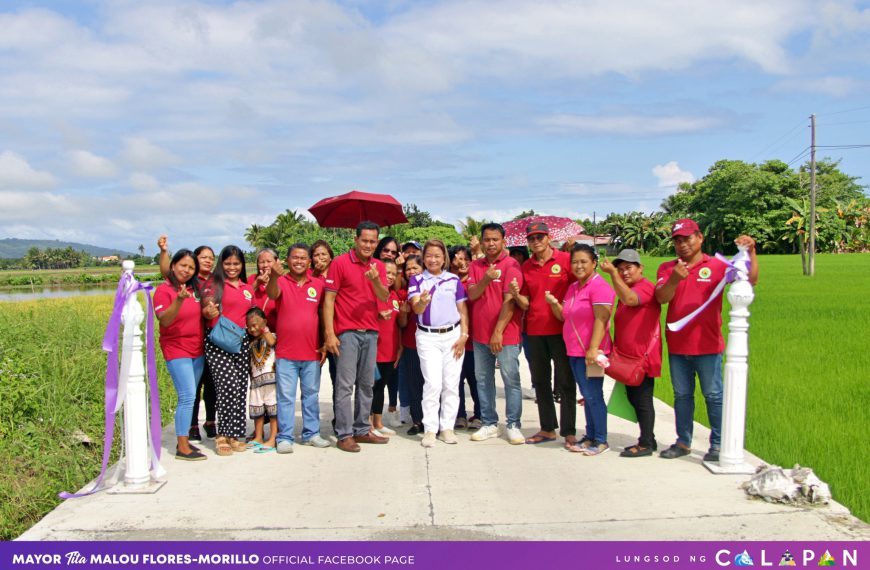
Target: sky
[{"x": 122, "y": 120}]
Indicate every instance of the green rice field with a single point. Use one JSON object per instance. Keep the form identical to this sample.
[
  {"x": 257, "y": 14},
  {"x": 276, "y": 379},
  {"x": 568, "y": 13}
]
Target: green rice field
[{"x": 808, "y": 387}]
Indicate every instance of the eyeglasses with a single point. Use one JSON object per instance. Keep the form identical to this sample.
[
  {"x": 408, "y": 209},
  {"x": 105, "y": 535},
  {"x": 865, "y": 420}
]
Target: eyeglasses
[
  {"x": 391, "y": 251},
  {"x": 536, "y": 237}
]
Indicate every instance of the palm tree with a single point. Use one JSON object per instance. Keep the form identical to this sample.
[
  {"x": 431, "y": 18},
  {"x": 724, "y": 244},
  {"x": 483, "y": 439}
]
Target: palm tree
[
  {"x": 253, "y": 235},
  {"x": 470, "y": 227},
  {"x": 141, "y": 249}
]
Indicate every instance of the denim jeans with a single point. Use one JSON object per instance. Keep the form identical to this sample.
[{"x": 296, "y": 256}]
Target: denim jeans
[
  {"x": 595, "y": 408},
  {"x": 308, "y": 374},
  {"x": 185, "y": 373},
  {"x": 708, "y": 367},
  {"x": 484, "y": 370}
]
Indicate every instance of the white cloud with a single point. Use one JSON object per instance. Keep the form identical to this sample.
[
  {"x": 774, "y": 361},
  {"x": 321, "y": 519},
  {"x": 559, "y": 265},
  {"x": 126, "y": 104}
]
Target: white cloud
[
  {"x": 671, "y": 174},
  {"x": 40, "y": 208},
  {"x": 89, "y": 165},
  {"x": 17, "y": 174},
  {"x": 143, "y": 182},
  {"x": 142, "y": 154},
  {"x": 629, "y": 125},
  {"x": 833, "y": 86}
]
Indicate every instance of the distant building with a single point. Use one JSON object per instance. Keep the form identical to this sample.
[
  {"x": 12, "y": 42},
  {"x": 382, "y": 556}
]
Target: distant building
[{"x": 108, "y": 258}]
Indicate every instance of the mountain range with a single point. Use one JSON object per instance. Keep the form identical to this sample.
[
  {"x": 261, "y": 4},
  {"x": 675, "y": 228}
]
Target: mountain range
[{"x": 14, "y": 248}]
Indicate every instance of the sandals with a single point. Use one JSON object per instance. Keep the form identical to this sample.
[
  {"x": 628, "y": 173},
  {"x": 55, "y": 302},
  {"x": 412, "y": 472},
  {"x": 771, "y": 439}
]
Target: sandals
[
  {"x": 539, "y": 438},
  {"x": 581, "y": 446},
  {"x": 636, "y": 451},
  {"x": 222, "y": 445},
  {"x": 238, "y": 446},
  {"x": 264, "y": 449}
]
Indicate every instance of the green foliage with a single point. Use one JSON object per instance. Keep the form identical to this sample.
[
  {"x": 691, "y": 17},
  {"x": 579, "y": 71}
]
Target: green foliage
[
  {"x": 51, "y": 392},
  {"x": 447, "y": 234},
  {"x": 417, "y": 218}
]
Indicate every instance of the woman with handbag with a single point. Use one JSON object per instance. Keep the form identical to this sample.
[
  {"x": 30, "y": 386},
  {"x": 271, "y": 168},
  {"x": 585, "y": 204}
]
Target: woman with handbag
[
  {"x": 585, "y": 313},
  {"x": 226, "y": 300},
  {"x": 176, "y": 305},
  {"x": 637, "y": 345}
]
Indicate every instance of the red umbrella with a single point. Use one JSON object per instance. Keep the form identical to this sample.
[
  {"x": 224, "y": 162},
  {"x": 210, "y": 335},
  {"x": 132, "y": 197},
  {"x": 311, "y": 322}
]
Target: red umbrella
[
  {"x": 560, "y": 229},
  {"x": 348, "y": 210}
]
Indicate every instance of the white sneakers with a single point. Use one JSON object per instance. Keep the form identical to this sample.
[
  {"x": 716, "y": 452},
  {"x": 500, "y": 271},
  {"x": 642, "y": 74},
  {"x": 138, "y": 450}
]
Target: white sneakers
[
  {"x": 448, "y": 436},
  {"x": 386, "y": 432},
  {"x": 428, "y": 439},
  {"x": 484, "y": 433},
  {"x": 515, "y": 436},
  {"x": 392, "y": 419}
]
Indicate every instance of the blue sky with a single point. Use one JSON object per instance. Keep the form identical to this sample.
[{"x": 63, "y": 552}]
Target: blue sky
[{"x": 121, "y": 120}]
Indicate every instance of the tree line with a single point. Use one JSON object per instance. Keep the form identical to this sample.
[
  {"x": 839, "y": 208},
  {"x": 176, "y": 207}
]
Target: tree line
[{"x": 769, "y": 201}]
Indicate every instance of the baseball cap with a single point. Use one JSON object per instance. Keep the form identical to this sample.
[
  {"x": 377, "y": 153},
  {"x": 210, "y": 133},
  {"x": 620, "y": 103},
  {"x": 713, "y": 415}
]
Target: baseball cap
[
  {"x": 684, "y": 227},
  {"x": 628, "y": 255},
  {"x": 537, "y": 228},
  {"x": 412, "y": 243}
]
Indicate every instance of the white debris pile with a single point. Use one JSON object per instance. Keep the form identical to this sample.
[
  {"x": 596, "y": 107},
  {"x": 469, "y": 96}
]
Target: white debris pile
[{"x": 798, "y": 486}]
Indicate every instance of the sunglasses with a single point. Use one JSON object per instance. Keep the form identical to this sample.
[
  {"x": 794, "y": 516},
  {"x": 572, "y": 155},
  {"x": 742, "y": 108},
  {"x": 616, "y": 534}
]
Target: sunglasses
[{"x": 536, "y": 237}]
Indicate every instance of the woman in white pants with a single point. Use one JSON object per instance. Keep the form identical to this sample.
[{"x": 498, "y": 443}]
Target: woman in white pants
[{"x": 438, "y": 299}]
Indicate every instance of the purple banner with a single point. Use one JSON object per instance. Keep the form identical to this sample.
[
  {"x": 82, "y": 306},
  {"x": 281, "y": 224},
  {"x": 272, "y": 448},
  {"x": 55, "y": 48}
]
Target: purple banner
[{"x": 434, "y": 555}]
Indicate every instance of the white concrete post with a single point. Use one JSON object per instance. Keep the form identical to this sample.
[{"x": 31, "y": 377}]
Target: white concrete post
[
  {"x": 731, "y": 460},
  {"x": 137, "y": 458}
]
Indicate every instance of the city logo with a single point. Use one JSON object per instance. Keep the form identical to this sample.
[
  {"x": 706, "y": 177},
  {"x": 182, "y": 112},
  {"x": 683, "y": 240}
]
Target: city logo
[
  {"x": 498, "y": 274},
  {"x": 743, "y": 559},
  {"x": 705, "y": 273},
  {"x": 827, "y": 559},
  {"x": 557, "y": 269},
  {"x": 312, "y": 292},
  {"x": 247, "y": 295},
  {"x": 787, "y": 559},
  {"x": 677, "y": 227},
  {"x": 395, "y": 304}
]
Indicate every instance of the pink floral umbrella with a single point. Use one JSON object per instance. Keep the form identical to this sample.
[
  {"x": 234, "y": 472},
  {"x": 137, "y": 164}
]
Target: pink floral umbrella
[{"x": 560, "y": 229}]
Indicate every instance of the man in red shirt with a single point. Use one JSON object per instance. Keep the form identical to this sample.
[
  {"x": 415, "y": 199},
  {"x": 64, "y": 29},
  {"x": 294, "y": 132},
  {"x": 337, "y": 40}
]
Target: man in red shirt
[
  {"x": 495, "y": 328},
  {"x": 685, "y": 284},
  {"x": 297, "y": 297},
  {"x": 548, "y": 270},
  {"x": 350, "y": 324}
]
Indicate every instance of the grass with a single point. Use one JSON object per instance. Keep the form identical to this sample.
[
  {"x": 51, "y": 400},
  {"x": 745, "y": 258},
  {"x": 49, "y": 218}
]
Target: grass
[
  {"x": 51, "y": 385},
  {"x": 807, "y": 402},
  {"x": 808, "y": 391}
]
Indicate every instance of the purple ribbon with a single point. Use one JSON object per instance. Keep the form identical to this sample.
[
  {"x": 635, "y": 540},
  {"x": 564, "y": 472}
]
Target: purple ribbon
[{"x": 128, "y": 286}]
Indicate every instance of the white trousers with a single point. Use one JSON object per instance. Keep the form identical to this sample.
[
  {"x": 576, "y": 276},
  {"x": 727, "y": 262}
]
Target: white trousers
[{"x": 441, "y": 378}]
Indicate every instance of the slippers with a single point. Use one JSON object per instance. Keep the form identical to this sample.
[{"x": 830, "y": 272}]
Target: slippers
[
  {"x": 253, "y": 445},
  {"x": 539, "y": 438},
  {"x": 264, "y": 449},
  {"x": 636, "y": 451}
]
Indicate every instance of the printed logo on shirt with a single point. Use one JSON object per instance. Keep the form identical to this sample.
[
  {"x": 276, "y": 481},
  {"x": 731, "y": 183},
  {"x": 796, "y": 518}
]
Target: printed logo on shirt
[
  {"x": 247, "y": 295},
  {"x": 312, "y": 292},
  {"x": 557, "y": 269},
  {"x": 497, "y": 274},
  {"x": 705, "y": 273},
  {"x": 395, "y": 305}
]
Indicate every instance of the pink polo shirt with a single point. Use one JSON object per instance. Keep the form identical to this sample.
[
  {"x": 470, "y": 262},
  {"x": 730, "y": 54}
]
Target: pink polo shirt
[
  {"x": 486, "y": 308},
  {"x": 578, "y": 314},
  {"x": 356, "y": 305},
  {"x": 634, "y": 327}
]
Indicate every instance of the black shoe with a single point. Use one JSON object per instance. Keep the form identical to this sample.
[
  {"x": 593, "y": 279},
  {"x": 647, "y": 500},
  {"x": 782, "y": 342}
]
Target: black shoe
[
  {"x": 712, "y": 456},
  {"x": 416, "y": 429},
  {"x": 674, "y": 451},
  {"x": 193, "y": 434},
  {"x": 210, "y": 430},
  {"x": 194, "y": 455}
]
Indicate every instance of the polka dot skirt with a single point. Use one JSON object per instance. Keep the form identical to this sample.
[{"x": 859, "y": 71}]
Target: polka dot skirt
[{"x": 230, "y": 373}]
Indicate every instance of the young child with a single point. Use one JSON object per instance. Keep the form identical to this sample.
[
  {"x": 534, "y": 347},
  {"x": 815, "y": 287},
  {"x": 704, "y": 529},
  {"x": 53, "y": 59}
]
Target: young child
[
  {"x": 389, "y": 350},
  {"x": 262, "y": 397},
  {"x": 410, "y": 373}
]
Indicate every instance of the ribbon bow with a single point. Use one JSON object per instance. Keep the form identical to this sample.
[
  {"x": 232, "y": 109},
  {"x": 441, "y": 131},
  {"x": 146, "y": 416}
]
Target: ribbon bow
[
  {"x": 738, "y": 269},
  {"x": 116, "y": 385}
]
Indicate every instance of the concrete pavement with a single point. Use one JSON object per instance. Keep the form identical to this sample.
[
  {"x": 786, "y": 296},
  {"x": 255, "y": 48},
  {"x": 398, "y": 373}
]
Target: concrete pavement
[{"x": 487, "y": 490}]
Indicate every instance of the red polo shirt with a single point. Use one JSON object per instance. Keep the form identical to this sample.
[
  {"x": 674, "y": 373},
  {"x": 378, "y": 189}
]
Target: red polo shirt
[
  {"x": 235, "y": 302},
  {"x": 388, "y": 329},
  {"x": 409, "y": 333},
  {"x": 554, "y": 275},
  {"x": 356, "y": 305},
  {"x": 633, "y": 327},
  {"x": 703, "y": 334},
  {"x": 485, "y": 309},
  {"x": 298, "y": 318},
  {"x": 184, "y": 337},
  {"x": 262, "y": 300}
]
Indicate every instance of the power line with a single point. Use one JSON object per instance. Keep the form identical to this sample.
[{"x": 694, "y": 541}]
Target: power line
[
  {"x": 799, "y": 156},
  {"x": 793, "y": 129},
  {"x": 845, "y": 123},
  {"x": 845, "y": 111}
]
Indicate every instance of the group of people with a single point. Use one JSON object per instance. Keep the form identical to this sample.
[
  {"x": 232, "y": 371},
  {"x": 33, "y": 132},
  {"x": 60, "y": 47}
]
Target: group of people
[{"x": 418, "y": 321}]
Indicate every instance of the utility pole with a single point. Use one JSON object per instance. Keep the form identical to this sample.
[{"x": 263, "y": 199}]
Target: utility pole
[{"x": 812, "y": 224}]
